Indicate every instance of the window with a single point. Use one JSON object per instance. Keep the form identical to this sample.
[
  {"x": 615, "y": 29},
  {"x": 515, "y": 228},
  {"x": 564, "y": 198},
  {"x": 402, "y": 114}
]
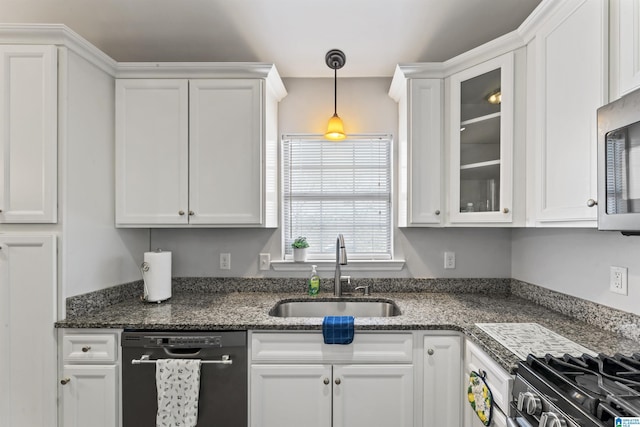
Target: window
[{"x": 338, "y": 187}]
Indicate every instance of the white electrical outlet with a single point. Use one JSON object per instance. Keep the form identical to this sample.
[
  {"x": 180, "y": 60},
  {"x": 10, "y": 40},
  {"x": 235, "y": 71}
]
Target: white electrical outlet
[
  {"x": 618, "y": 280},
  {"x": 449, "y": 260},
  {"x": 225, "y": 261},
  {"x": 265, "y": 261}
]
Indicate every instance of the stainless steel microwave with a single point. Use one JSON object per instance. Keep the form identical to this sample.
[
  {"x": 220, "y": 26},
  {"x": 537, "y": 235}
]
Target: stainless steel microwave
[{"x": 619, "y": 165}]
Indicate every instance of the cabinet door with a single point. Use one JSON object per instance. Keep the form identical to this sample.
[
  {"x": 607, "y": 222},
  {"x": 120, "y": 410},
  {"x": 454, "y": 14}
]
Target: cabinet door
[
  {"x": 625, "y": 47},
  {"x": 89, "y": 396},
  {"x": 28, "y": 134},
  {"x": 290, "y": 396},
  {"x": 420, "y": 154},
  {"x": 443, "y": 387},
  {"x": 226, "y": 151},
  {"x": 27, "y": 312},
  {"x": 570, "y": 78},
  {"x": 481, "y": 150},
  {"x": 373, "y": 395},
  {"x": 152, "y": 152}
]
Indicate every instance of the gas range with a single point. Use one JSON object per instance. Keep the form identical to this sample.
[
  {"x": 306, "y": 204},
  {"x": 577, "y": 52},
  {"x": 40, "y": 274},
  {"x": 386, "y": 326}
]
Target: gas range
[{"x": 585, "y": 391}]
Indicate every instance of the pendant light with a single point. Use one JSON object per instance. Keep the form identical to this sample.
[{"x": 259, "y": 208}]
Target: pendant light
[{"x": 335, "y": 60}]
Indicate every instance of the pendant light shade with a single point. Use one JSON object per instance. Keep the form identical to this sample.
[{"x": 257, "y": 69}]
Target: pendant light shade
[
  {"x": 335, "y": 129},
  {"x": 335, "y": 60}
]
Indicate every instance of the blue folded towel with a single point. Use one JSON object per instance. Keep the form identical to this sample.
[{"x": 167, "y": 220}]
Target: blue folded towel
[{"x": 337, "y": 329}]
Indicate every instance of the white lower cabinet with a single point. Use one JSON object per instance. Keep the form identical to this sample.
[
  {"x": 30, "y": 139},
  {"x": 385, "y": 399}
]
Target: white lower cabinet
[
  {"x": 314, "y": 384},
  {"x": 308, "y": 395},
  {"x": 441, "y": 387},
  {"x": 89, "y": 396},
  {"x": 372, "y": 395},
  {"x": 286, "y": 395},
  {"x": 498, "y": 380},
  {"x": 90, "y": 379}
]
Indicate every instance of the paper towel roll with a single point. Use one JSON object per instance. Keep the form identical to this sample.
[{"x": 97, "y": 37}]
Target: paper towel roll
[{"x": 156, "y": 273}]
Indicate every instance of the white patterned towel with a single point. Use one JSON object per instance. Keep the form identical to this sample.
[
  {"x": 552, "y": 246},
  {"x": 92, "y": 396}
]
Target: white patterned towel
[{"x": 178, "y": 385}]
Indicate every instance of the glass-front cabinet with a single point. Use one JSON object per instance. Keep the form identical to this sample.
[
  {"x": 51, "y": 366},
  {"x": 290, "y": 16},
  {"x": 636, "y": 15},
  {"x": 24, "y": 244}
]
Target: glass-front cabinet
[{"x": 481, "y": 142}]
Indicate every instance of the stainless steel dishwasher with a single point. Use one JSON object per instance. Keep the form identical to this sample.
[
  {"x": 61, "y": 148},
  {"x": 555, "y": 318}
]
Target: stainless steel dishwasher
[{"x": 223, "y": 374}]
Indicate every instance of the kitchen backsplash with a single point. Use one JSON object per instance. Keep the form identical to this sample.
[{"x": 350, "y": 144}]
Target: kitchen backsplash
[{"x": 623, "y": 323}]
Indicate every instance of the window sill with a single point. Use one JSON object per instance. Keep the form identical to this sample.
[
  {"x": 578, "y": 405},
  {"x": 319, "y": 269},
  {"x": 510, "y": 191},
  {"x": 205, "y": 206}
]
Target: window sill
[{"x": 329, "y": 265}]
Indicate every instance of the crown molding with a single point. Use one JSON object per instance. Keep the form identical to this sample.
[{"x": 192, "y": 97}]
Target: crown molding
[{"x": 58, "y": 35}]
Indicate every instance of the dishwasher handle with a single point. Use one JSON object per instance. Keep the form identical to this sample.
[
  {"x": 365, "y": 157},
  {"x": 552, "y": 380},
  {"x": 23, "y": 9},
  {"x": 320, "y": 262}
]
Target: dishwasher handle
[{"x": 224, "y": 360}]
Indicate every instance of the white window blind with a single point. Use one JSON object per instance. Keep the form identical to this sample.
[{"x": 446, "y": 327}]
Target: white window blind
[{"x": 338, "y": 187}]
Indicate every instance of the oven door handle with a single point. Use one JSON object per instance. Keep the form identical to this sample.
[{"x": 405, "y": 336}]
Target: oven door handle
[
  {"x": 518, "y": 422},
  {"x": 224, "y": 360}
]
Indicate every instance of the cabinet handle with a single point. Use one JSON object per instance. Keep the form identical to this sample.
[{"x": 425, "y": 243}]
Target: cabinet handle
[
  {"x": 437, "y": 212},
  {"x": 192, "y": 213},
  {"x": 65, "y": 381},
  {"x": 591, "y": 203},
  {"x": 430, "y": 352},
  {"x": 180, "y": 213},
  {"x": 86, "y": 348},
  {"x": 505, "y": 210},
  {"x": 338, "y": 381},
  {"x": 326, "y": 381}
]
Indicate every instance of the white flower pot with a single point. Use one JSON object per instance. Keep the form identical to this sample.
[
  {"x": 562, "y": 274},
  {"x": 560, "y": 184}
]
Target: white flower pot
[{"x": 299, "y": 254}]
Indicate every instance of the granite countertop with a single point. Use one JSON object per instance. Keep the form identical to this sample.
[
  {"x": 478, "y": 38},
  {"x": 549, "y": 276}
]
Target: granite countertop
[{"x": 420, "y": 311}]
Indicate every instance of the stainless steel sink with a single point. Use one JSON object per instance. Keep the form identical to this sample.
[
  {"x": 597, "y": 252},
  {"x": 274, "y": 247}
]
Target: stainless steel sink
[{"x": 342, "y": 307}]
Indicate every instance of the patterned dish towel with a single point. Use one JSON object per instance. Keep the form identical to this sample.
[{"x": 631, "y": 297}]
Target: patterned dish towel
[
  {"x": 338, "y": 329},
  {"x": 178, "y": 386}
]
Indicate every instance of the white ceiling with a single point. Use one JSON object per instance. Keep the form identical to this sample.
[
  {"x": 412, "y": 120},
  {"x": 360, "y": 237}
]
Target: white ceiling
[{"x": 294, "y": 34}]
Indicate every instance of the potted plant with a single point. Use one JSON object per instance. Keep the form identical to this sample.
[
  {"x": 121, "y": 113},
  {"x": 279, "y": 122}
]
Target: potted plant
[{"x": 300, "y": 246}]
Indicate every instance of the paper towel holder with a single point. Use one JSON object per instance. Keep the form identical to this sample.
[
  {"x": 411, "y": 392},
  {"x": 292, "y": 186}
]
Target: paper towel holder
[{"x": 159, "y": 293}]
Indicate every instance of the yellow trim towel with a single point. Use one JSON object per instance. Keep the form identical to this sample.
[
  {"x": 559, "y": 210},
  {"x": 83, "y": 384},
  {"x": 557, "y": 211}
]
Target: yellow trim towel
[{"x": 178, "y": 387}]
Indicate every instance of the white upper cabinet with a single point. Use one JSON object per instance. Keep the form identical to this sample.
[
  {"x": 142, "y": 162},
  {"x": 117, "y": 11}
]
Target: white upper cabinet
[
  {"x": 481, "y": 121},
  {"x": 196, "y": 152},
  {"x": 28, "y": 133},
  {"x": 420, "y": 106},
  {"x": 152, "y": 149},
  {"x": 225, "y": 166},
  {"x": 625, "y": 47},
  {"x": 567, "y": 75}
]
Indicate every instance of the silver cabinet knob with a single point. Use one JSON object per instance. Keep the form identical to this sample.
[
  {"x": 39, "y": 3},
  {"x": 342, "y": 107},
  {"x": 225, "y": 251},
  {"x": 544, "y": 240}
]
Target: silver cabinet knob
[
  {"x": 337, "y": 381},
  {"x": 430, "y": 352},
  {"x": 192, "y": 213},
  {"x": 180, "y": 213},
  {"x": 65, "y": 381},
  {"x": 326, "y": 381},
  {"x": 591, "y": 203},
  {"x": 86, "y": 348},
  {"x": 437, "y": 212},
  {"x": 505, "y": 210}
]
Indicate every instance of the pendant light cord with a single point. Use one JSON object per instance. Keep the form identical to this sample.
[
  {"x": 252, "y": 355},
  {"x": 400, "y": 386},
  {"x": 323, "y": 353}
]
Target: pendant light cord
[{"x": 335, "y": 91}]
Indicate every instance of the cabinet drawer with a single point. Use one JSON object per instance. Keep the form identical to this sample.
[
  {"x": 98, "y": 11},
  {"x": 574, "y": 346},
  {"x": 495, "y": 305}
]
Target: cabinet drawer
[
  {"x": 310, "y": 347},
  {"x": 498, "y": 380},
  {"x": 89, "y": 348}
]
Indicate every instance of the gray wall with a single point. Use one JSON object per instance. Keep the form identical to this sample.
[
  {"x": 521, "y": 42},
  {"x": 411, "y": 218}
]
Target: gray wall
[
  {"x": 577, "y": 261},
  {"x": 365, "y": 107}
]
